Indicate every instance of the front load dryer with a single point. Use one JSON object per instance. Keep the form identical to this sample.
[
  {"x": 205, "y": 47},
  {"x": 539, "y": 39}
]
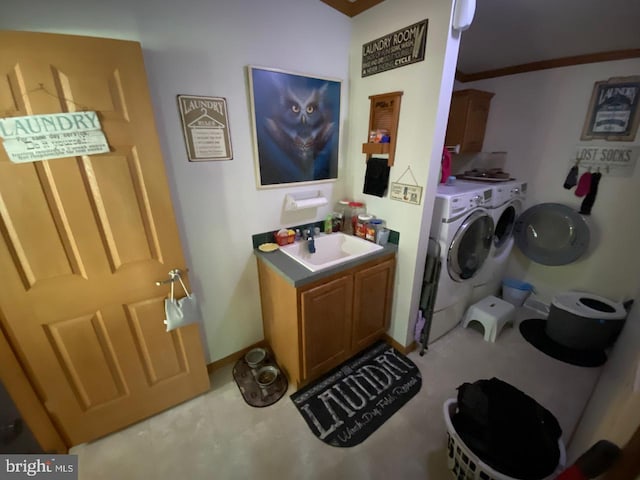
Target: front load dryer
[
  {"x": 463, "y": 227},
  {"x": 506, "y": 205}
]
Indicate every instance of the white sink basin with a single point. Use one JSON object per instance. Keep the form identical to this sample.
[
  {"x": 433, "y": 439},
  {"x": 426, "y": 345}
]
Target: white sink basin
[{"x": 331, "y": 249}]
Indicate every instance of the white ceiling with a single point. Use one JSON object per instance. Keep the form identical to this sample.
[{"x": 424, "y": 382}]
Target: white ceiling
[{"x": 514, "y": 32}]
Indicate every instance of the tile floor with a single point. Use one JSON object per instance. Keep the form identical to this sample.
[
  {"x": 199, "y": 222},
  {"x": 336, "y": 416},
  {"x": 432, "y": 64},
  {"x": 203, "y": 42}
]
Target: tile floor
[{"x": 218, "y": 436}]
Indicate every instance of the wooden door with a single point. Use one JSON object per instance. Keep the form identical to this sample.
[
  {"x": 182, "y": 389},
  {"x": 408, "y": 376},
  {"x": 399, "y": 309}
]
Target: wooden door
[
  {"x": 82, "y": 241},
  {"x": 326, "y": 325},
  {"x": 372, "y": 293}
]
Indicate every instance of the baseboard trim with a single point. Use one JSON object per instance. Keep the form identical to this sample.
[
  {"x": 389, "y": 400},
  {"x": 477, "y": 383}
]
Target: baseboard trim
[
  {"x": 401, "y": 348},
  {"x": 234, "y": 357}
]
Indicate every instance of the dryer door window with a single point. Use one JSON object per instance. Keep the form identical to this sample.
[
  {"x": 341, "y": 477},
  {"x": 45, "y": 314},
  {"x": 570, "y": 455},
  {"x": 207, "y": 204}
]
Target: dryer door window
[
  {"x": 470, "y": 246},
  {"x": 504, "y": 227}
]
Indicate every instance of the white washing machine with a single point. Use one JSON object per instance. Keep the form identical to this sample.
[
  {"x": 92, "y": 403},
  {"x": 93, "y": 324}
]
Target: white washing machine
[
  {"x": 463, "y": 227},
  {"x": 506, "y": 205}
]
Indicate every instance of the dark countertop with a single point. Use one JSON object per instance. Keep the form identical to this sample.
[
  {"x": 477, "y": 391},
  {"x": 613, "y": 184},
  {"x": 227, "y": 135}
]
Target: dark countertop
[{"x": 297, "y": 275}]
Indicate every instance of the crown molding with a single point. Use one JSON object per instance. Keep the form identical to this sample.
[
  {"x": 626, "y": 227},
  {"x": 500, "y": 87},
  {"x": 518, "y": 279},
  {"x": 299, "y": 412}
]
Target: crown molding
[{"x": 546, "y": 64}]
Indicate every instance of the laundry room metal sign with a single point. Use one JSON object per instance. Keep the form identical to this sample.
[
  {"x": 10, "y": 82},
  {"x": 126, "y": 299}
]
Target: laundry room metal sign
[
  {"x": 205, "y": 125},
  {"x": 58, "y": 135},
  {"x": 398, "y": 49}
]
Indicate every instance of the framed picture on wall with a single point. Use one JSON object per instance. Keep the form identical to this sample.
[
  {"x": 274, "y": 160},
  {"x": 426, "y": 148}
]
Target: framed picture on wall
[
  {"x": 296, "y": 127},
  {"x": 613, "y": 110},
  {"x": 205, "y": 125}
]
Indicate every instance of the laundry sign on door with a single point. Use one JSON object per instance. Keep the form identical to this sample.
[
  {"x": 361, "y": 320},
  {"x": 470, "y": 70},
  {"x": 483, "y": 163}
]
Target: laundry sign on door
[{"x": 57, "y": 135}]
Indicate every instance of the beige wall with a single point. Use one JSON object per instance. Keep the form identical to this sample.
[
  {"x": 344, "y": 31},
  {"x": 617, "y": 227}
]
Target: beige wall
[{"x": 427, "y": 90}]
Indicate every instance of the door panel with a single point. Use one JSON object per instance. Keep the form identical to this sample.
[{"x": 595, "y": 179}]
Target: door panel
[
  {"x": 83, "y": 240},
  {"x": 161, "y": 354},
  {"x": 124, "y": 217},
  {"x": 373, "y": 292},
  {"x": 326, "y": 325},
  {"x": 51, "y": 253},
  {"x": 97, "y": 378}
]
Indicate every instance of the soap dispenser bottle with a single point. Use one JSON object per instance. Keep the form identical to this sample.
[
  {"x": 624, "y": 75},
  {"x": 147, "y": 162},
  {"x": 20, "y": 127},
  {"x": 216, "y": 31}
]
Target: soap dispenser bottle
[{"x": 328, "y": 224}]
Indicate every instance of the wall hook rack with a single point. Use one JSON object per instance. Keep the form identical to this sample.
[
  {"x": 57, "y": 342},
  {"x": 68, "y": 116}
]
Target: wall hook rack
[
  {"x": 384, "y": 114},
  {"x": 611, "y": 160}
]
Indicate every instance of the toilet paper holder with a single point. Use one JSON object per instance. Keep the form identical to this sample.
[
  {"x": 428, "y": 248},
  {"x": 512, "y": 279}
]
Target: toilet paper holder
[{"x": 302, "y": 200}]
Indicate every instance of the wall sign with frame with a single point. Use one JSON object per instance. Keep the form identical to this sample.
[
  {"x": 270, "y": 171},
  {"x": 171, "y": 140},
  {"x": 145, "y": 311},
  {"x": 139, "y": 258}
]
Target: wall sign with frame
[
  {"x": 205, "y": 125},
  {"x": 404, "y": 192},
  {"x": 613, "y": 110},
  {"x": 296, "y": 126}
]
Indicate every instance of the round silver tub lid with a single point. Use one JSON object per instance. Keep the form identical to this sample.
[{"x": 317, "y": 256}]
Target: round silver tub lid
[{"x": 552, "y": 234}]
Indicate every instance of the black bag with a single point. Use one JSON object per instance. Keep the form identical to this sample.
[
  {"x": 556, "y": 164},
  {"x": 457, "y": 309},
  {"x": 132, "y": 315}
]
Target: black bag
[{"x": 507, "y": 429}]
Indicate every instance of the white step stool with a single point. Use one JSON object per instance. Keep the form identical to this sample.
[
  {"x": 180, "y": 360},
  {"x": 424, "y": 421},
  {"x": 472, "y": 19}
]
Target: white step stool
[{"x": 493, "y": 313}]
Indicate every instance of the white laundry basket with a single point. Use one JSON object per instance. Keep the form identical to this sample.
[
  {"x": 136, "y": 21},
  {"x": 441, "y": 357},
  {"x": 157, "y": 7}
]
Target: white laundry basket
[{"x": 465, "y": 465}]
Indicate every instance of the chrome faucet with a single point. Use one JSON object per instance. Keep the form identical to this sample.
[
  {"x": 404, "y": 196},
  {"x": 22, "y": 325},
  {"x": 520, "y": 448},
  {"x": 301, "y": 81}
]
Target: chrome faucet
[{"x": 311, "y": 244}]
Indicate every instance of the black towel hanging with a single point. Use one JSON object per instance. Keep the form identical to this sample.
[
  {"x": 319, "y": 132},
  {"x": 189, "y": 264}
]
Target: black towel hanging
[
  {"x": 572, "y": 178},
  {"x": 376, "y": 178}
]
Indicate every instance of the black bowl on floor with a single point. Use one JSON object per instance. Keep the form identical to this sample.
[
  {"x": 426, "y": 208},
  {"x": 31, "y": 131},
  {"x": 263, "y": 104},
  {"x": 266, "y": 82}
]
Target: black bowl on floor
[{"x": 533, "y": 331}]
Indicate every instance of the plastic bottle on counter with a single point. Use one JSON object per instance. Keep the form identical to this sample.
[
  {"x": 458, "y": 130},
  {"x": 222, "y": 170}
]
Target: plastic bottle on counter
[
  {"x": 337, "y": 220},
  {"x": 363, "y": 224},
  {"x": 357, "y": 208},
  {"x": 342, "y": 211},
  {"x": 328, "y": 224},
  {"x": 374, "y": 227}
]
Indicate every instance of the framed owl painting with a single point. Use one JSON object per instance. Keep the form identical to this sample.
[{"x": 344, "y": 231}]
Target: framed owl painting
[{"x": 296, "y": 127}]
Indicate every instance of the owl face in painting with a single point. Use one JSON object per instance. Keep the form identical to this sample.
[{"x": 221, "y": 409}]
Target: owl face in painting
[
  {"x": 301, "y": 123},
  {"x": 302, "y": 113}
]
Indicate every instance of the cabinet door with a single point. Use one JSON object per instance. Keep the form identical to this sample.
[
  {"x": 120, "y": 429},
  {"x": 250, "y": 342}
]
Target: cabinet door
[
  {"x": 468, "y": 119},
  {"x": 476, "y": 124},
  {"x": 326, "y": 326},
  {"x": 457, "y": 120},
  {"x": 373, "y": 291}
]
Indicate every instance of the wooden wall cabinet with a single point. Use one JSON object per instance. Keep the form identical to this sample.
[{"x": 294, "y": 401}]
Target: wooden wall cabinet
[
  {"x": 468, "y": 119},
  {"x": 384, "y": 114},
  {"x": 313, "y": 328}
]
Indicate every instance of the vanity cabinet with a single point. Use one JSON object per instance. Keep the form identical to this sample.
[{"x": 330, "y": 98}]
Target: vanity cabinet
[
  {"x": 317, "y": 326},
  {"x": 468, "y": 119}
]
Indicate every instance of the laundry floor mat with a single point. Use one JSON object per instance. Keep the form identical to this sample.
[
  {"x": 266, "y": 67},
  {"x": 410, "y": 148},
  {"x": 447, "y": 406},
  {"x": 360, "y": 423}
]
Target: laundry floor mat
[
  {"x": 533, "y": 331},
  {"x": 353, "y": 400}
]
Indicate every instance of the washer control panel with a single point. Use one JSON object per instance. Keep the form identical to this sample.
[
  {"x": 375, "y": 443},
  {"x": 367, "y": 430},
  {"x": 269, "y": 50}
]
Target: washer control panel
[{"x": 464, "y": 202}]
